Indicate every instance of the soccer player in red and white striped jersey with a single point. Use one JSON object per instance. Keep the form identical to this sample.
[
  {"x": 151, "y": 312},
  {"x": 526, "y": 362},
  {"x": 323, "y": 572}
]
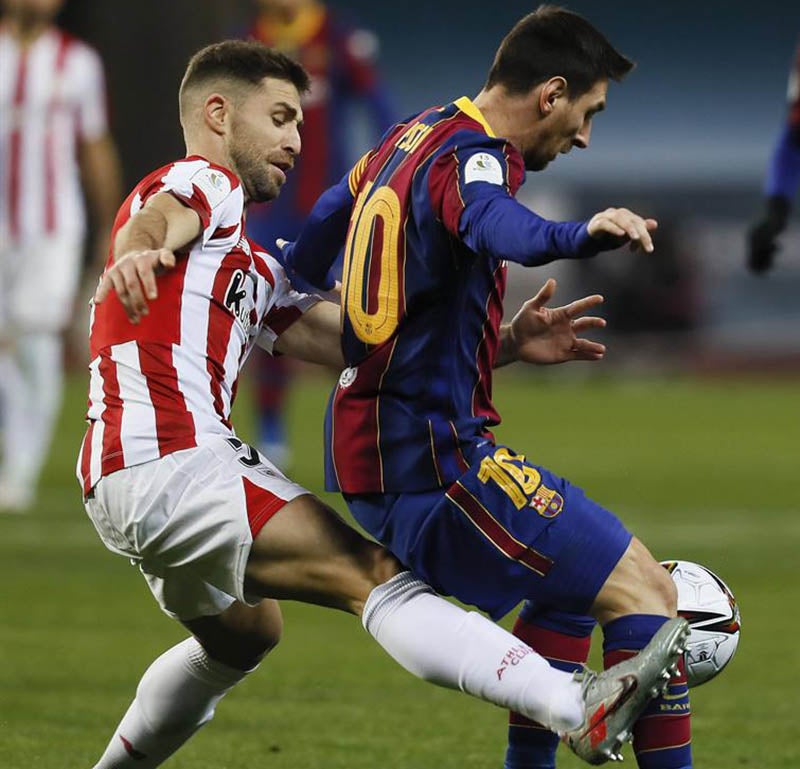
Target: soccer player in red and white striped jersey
[
  {"x": 54, "y": 148},
  {"x": 217, "y": 531}
]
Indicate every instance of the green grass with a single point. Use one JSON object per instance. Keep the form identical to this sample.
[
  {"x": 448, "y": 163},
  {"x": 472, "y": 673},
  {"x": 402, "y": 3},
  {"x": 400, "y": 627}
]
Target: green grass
[{"x": 701, "y": 471}]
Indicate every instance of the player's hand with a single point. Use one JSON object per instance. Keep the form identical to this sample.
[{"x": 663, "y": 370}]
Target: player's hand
[
  {"x": 333, "y": 289},
  {"x": 133, "y": 277},
  {"x": 615, "y": 227},
  {"x": 547, "y": 335},
  {"x": 762, "y": 237}
]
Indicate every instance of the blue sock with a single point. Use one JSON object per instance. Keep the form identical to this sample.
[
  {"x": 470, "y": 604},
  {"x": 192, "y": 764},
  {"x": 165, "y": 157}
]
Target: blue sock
[
  {"x": 563, "y": 639},
  {"x": 662, "y": 735}
]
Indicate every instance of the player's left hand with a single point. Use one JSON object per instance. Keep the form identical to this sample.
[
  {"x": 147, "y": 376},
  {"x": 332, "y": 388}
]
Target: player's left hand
[
  {"x": 615, "y": 227},
  {"x": 133, "y": 278},
  {"x": 547, "y": 335}
]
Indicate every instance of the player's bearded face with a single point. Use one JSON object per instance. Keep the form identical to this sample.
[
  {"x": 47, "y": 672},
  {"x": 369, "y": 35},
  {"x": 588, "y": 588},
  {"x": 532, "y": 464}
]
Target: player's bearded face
[{"x": 264, "y": 139}]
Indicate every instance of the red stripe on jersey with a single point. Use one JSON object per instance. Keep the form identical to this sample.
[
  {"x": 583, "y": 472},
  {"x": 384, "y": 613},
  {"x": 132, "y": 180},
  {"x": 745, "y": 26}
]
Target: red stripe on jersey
[
  {"x": 15, "y": 143},
  {"x": 495, "y": 533},
  {"x": 86, "y": 459},
  {"x": 112, "y": 457},
  {"x": 355, "y": 426},
  {"x": 224, "y": 232},
  {"x": 261, "y": 505},
  {"x": 486, "y": 353},
  {"x": 220, "y": 324},
  {"x": 174, "y": 423},
  {"x": 280, "y": 318},
  {"x": 49, "y": 147}
]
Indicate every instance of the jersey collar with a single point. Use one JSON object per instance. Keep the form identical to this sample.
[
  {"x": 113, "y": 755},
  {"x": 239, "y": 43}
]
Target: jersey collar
[{"x": 467, "y": 106}]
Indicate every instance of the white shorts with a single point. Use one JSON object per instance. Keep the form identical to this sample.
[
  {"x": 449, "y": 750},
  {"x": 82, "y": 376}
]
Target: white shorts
[
  {"x": 188, "y": 521},
  {"x": 38, "y": 281}
]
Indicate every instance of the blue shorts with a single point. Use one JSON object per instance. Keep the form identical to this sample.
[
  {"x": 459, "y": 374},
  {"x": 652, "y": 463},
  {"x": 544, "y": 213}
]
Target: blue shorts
[{"x": 504, "y": 532}]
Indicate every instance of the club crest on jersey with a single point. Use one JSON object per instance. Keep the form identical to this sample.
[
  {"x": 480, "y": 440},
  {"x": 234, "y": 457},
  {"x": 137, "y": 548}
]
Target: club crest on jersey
[
  {"x": 546, "y": 502},
  {"x": 348, "y": 376},
  {"x": 236, "y": 299}
]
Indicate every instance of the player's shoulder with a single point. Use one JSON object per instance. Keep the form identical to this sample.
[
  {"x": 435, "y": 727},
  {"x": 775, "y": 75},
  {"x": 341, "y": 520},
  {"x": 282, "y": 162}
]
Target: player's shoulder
[
  {"x": 215, "y": 181},
  {"x": 76, "y": 48}
]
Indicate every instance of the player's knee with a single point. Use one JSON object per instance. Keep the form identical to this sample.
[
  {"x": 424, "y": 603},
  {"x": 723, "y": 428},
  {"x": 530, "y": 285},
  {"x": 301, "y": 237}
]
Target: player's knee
[
  {"x": 244, "y": 639},
  {"x": 384, "y": 566},
  {"x": 664, "y": 588},
  {"x": 638, "y": 584},
  {"x": 376, "y": 566}
]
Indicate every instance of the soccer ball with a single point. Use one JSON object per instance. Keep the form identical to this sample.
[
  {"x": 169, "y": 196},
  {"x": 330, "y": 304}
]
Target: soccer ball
[{"x": 713, "y": 615}]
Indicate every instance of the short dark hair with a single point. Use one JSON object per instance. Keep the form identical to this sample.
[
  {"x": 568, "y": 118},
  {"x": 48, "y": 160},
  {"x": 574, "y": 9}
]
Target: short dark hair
[
  {"x": 551, "y": 42},
  {"x": 244, "y": 62}
]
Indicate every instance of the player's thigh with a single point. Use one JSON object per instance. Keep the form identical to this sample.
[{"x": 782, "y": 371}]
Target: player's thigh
[
  {"x": 506, "y": 531},
  {"x": 189, "y": 520},
  {"x": 306, "y": 552},
  {"x": 638, "y": 584},
  {"x": 44, "y": 290},
  {"x": 241, "y": 635}
]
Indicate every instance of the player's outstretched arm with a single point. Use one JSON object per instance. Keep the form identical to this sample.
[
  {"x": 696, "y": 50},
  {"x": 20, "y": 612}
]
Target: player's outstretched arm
[
  {"x": 544, "y": 335},
  {"x": 144, "y": 248},
  {"x": 315, "y": 337},
  {"x": 615, "y": 227}
]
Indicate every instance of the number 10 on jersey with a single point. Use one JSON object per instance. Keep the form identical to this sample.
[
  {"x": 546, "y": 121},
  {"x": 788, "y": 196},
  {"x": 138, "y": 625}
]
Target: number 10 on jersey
[{"x": 373, "y": 210}]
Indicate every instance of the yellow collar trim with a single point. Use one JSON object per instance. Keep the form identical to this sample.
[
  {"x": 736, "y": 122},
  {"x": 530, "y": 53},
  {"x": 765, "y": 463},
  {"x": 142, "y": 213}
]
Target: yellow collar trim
[{"x": 467, "y": 106}]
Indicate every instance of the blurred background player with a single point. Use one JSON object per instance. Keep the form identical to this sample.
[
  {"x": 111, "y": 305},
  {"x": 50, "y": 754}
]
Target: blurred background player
[
  {"x": 783, "y": 179},
  {"x": 55, "y": 148},
  {"x": 340, "y": 61}
]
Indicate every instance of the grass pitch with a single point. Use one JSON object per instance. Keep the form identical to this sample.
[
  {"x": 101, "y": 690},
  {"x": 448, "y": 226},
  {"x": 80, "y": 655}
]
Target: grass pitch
[{"x": 705, "y": 471}]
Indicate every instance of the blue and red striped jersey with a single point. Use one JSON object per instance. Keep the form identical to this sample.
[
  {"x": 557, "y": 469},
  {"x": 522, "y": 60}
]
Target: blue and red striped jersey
[{"x": 430, "y": 220}]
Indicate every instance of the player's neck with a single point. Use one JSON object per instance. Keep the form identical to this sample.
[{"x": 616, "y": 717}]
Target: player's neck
[
  {"x": 26, "y": 33},
  {"x": 505, "y": 114}
]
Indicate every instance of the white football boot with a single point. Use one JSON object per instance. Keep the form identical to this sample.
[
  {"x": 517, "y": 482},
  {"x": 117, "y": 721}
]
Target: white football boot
[{"x": 616, "y": 697}]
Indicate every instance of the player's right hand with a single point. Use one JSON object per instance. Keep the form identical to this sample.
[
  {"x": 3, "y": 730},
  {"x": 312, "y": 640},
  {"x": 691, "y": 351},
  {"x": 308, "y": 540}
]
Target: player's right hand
[
  {"x": 762, "y": 237},
  {"x": 762, "y": 246},
  {"x": 133, "y": 278},
  {"x": 615, "y": 227}
]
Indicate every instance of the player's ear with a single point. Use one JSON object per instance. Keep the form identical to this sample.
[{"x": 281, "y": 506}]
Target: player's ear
[
  {"x": 552, "y": 90},
  {"x": 216, "y": 112}
]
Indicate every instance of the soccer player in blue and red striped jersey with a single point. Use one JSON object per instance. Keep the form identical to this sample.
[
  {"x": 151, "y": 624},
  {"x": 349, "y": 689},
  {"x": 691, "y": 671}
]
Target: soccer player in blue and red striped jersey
[
  {"x": 783, "y": 181},
  {"x": 428, "y": 220}
]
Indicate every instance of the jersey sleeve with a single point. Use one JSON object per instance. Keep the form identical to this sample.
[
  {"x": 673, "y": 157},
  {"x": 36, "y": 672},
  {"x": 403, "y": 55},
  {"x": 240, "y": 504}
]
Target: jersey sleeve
[
  {"x": 472, "y": 188},
  {"x": 783, "y": 175},
  {"x": 92, "y": 112},
  {"x": 317, "y": 246},
  {"x": 212, "y": 193},
  {"x": 286, "y": 306}
]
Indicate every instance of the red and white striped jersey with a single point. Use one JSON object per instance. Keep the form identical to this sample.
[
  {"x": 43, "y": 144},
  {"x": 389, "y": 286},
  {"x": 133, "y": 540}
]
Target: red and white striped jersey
[
  {"x": 52, "y": 96},
  {"x": 162, "y": 385}
]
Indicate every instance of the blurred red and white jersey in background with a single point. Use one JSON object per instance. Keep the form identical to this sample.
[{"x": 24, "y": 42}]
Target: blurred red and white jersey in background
[
  {"x": 166, "y": 383},
  {"x": 51, "y": 95}
]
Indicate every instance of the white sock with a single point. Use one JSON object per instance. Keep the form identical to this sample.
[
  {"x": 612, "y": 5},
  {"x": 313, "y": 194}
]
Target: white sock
[
  {"x": 13, "y": 402},
  {"x": 447, "y": 646},
  {"x": 40, "y": 354},
  {"x": 176, "y": 696},
  {"x": 31, "y": 392}
]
